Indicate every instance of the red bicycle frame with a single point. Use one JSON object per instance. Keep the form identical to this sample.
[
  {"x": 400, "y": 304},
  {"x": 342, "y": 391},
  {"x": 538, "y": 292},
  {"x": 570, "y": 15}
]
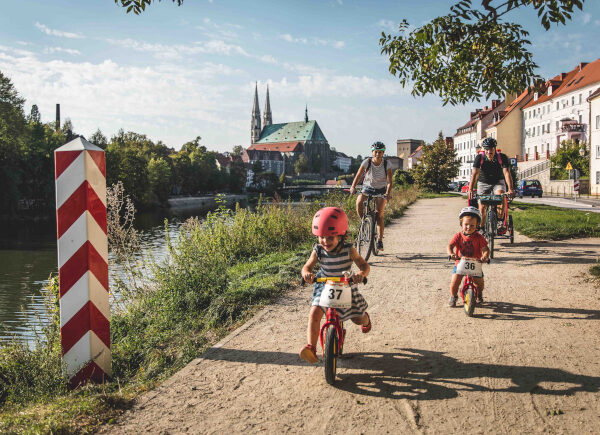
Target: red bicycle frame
[
  {"x": 468, "y": 282},
  {"x": 333, "y": 319}
]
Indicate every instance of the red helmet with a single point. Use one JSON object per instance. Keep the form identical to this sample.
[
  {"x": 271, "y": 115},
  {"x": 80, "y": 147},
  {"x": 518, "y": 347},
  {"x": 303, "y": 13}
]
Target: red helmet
[{"x": 330, "y": 221}]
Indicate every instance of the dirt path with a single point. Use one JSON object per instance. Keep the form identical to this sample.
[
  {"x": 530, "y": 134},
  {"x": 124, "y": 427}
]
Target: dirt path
[{"x": 532, "y": 351}]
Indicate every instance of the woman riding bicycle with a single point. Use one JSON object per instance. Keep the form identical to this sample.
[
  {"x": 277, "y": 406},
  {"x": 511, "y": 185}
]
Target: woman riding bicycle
[
  {"x": 377, "y": 180},
  {"x": 491, "y": 174}
]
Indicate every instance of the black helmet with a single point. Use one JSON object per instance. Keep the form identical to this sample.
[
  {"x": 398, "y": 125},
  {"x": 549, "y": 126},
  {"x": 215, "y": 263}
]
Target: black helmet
[
  {"x": 378, "y": 146},
  {"x": 489, "y": 142}
]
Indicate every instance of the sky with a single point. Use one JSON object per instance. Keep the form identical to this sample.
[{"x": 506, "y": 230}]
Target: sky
[{"x": 175, "y": 73}]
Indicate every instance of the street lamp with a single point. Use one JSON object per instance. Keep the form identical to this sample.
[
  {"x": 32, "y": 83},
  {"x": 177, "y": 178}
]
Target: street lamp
[{"x": 582, "y": 151}]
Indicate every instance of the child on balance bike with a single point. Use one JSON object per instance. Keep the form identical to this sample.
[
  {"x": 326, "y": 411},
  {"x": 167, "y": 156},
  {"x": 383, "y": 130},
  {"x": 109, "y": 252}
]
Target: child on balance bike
[{"x": 330, "y": 225}]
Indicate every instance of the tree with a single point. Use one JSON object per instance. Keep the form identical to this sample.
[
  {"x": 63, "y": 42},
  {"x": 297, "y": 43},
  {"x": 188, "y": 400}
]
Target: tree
[
  {"x": 257, "y": 167},
  {"x": 570, "y": 152},
  {"x": 68, "y": 130},
  {"x": 159, "y": 177},
  {"x": 471, "y": 52},
  {"x": 437, "y": 167},
  {"x": 237, "y": 151},
  {"x": 34, "y": 115},
  {"x": 402, "y": 178},
  {"x": 301, "y": 165},
  {"x": 98, "y": 139},
  {"x": 138, "y": 6}
]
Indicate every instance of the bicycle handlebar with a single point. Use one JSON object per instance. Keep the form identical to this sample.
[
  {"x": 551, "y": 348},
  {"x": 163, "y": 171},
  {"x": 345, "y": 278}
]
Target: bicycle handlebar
[
  {"x": 334, "y": 278},
  {"x": 450, "y": 259}
]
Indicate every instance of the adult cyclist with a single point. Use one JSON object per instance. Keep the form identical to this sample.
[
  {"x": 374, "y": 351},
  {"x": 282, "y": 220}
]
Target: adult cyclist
[
  {"x": 377, "y": 181},
  {"x": 491, "y": 174}
]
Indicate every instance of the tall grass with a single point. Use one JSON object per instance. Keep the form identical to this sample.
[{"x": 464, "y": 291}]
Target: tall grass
[{"x": 218, "y": 272}]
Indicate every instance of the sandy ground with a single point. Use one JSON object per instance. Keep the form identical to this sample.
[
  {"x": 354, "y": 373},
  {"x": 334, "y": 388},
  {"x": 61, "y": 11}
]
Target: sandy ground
[{"x": 529, "y": 361}]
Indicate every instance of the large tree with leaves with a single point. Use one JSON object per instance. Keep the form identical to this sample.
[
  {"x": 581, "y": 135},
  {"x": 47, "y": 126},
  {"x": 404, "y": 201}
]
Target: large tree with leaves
[
  {"x": 472, "y": 52},
  {"x": 437, "y": 167}
]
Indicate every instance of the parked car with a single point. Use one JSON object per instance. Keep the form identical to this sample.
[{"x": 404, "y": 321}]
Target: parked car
[
  {"x": 452, "y": 186},
  {"x": 465, "y": 187},
  {"x": 459, "y": 185},
  {"x": 531, "y": 188}
]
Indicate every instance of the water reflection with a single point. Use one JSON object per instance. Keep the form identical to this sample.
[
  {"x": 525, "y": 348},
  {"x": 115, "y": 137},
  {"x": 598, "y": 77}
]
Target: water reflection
[{"x": 28, "y": 257}]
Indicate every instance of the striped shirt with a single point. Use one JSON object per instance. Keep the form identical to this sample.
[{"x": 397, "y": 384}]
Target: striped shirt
[
  {"x": 375, "y": 177},
  {"x": 334, "y": 263}
]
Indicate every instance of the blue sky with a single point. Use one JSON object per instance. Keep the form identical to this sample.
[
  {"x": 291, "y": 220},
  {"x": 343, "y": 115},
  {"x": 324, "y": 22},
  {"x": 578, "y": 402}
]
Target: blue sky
[{"x": 174, "y": 73}]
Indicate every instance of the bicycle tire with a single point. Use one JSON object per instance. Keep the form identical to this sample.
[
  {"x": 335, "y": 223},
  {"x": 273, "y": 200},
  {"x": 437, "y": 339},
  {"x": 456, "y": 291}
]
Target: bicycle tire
[
  {"x": 373, "y": 235},
  {"x": 364, "y": 239},
  {"x": 330, "y": 359},
  {"x": 490, "y": 228},
  {"x": 511, "y": 229},
  {"x": 470, "y": 301}
]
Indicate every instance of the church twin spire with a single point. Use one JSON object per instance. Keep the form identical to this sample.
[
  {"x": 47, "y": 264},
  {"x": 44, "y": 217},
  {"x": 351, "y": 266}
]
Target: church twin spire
[
  {"x": 255, "y": 126},
  {"x": 267, "y": 118}
]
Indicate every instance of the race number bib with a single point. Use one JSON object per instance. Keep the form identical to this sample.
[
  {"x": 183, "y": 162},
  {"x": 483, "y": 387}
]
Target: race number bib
[
  {"x": 335, "y": 295},
  {"x": 469, "y": 266}
]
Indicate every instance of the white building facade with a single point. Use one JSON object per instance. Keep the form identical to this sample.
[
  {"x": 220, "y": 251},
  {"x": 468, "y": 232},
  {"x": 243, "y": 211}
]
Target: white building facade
[{"x": 594, "y": 144}]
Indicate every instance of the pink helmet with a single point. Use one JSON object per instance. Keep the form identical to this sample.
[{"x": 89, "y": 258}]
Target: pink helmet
[{"x": 330, "y": 221}]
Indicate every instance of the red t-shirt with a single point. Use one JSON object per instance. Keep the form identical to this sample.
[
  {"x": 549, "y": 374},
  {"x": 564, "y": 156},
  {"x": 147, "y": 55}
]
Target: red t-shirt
[{"x": 469, "y": 246}]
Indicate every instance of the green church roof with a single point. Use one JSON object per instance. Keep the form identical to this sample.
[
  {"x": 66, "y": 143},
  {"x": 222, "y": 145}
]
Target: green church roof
[{"x": 292, "y": 131}]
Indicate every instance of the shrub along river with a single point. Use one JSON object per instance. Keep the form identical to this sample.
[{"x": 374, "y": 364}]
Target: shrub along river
[{"x": 28, "y": 257}]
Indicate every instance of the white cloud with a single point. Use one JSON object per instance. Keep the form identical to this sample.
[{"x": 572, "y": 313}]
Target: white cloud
[
  {"x": 223, "y": 30},
  {"x": 314, "y": 41},
  {"x": 60, "y": 33},
  {"x": 176, "y": 51},
  {"x": 267, "y": 58},
  {"x": 586, "y": 18},
  {"x": 71, "y": 51},
  {"x": 388, "y": 25}
]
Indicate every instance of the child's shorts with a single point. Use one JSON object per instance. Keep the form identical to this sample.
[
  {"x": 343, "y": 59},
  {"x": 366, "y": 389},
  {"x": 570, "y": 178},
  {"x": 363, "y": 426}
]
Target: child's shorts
[
  {"x": 454, "y": 272},
  {"x": 358, "y": 308}
]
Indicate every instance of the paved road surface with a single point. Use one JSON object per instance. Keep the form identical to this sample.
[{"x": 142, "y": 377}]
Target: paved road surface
[{"x": 530, "y": 352}]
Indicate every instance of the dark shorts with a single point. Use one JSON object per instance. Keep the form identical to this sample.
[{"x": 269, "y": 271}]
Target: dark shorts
[{"x": 367, "y": 190}]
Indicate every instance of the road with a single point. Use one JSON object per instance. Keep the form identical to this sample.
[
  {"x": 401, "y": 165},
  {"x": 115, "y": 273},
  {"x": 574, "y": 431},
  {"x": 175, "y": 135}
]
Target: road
[{"x": 529, "y": 361}]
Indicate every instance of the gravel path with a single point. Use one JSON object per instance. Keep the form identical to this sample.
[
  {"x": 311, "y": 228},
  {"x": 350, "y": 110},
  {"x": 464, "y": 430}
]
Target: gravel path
[{"x": 529, "y": 361}]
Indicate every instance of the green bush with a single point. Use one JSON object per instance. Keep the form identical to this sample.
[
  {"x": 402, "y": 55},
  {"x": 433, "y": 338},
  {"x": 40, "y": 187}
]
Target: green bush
[{"x": 402, "y": 179}]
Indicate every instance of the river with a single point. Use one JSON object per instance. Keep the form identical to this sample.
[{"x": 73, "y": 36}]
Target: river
[{"x": 28, "y": 257}]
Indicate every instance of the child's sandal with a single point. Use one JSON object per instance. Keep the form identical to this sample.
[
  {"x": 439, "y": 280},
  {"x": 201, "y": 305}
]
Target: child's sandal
[
  {"x": 366, "y": 328},
  {"x": 309, "y": 353}
]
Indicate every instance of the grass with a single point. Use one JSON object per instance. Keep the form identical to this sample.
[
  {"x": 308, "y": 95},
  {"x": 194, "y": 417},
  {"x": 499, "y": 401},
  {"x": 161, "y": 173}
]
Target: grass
[
  {"x": 595, "y": 270},
  {"x": 218, "y": 273},
  {"x": 554, "y": 223},
  {"x": 430, "y": 195}
]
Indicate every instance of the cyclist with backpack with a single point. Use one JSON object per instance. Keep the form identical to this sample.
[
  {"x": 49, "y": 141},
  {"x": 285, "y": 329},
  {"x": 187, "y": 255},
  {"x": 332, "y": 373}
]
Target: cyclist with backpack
[
  {"x": 491, "y": 174},
  {"x": 377, "y": 181}
]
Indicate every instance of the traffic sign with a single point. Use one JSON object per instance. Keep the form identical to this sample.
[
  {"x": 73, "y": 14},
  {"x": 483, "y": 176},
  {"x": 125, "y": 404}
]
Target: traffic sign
[
  {"x": 513, "y": 162},
  {"x": 576, "y": 185},
  {"x": 569, "y": 167}
]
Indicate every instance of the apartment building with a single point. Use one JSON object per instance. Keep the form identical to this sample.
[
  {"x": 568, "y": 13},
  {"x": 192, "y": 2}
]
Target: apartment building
[
  {"x": 469, "y": 136},
  {"x": 594, "y": 144},
  {"x": 561, "y": 112}
]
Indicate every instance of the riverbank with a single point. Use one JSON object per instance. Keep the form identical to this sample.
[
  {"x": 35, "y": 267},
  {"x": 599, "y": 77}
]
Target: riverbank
[
  {"x": 218, "y": 272},
  {"x": 206, "y": 203}
]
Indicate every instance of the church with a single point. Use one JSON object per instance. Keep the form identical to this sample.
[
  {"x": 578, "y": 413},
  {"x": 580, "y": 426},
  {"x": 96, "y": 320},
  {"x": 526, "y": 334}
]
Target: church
[{"x": 278, "y": 146}]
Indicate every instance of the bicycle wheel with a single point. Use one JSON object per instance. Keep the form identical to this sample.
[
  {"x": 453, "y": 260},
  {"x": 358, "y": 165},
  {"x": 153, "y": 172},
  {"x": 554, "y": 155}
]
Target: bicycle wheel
[
  {"x": 364, "y": 241},
  {"x": 469, "y": 301},
  {"x": 490, "y": 229},
  {"x": 374, "y": 233},
  {"x": 511, "y": 229},
  {"x": 331, "y": 344}
]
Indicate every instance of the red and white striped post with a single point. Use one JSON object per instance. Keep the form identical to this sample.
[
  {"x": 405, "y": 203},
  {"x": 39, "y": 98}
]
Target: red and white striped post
[{"x": 80, "y": 174}]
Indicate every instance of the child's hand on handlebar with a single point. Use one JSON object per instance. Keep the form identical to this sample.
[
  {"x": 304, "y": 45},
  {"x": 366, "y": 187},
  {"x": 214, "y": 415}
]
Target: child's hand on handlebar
[
  {"x": 308, "y": 277},
  {"x": 358, "y": 278},
  {"x": 352, "y": 190},
  {"x": 454, "y": 257},
  {"x": 485, "y": 257}
]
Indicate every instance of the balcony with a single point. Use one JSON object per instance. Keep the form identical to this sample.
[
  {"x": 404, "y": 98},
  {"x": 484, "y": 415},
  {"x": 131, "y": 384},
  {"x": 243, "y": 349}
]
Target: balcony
[{"x": 573, "y": 127}]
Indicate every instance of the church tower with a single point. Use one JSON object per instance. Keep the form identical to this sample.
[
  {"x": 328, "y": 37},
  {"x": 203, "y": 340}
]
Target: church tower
[
  {"x": 267, "y": 118},
  {"x": 255, "y": 127}
]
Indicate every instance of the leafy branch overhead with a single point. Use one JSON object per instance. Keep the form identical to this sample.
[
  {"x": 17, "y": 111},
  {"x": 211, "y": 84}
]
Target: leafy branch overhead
[
  {"x": 139, "y": 6},
  {"x": 471, "y": 52}
]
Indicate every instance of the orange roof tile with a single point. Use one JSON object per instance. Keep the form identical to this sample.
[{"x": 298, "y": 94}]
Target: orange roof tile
[
  {"x": 586, "y": 74},
  {"x": 282, "y": 147}
]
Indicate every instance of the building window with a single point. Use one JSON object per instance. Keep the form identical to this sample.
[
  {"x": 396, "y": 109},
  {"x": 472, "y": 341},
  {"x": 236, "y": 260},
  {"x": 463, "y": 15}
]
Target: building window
[
  {"x": 579, "y": 98},
  {"x": 597, "y": 177},
  {"x": 556, "y": 123},
  {"x": 573, "y": 100},
  {"x": 543, "y": 129},
  {"x": 598, "y": 151},
  {"x": 580, "y": 118},
  {"x": 557, "y": 106},
  {"x": 548, "y": 128},
  {"x": 538, "y": 132},
  {"x": 597, "y": 121}
]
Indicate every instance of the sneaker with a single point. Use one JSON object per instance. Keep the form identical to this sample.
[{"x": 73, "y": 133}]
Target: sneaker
[
  {"x": 501, "y": 230},
  {"x": 309, "y": 353},
  {"x": 452, "y": 301},
  {"x": 380, "y": 245}
]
